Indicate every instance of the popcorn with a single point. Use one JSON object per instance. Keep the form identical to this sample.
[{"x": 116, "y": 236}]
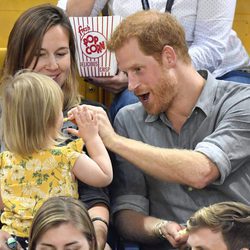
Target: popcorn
[
  {"x": 183, "y": 231},
  {"x": 92, "y": 33}
]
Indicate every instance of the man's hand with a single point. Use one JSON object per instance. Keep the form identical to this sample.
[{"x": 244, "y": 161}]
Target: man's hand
[
  {"x": 105, "y": 128},
  {"x": 174, "y": 233},
  {"x": 113, "y": 84}
]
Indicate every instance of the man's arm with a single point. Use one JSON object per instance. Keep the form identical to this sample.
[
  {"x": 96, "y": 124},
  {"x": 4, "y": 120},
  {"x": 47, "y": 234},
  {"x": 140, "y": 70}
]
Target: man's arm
[
  {"x": 174, "y": 165},
  {"x": 135, "y": 226},
  {"x": 128, "y": 222}
]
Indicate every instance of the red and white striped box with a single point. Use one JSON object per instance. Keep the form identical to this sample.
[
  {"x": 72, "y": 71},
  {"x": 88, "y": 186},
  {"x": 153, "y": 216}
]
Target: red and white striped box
[{"x": 92, "y": 33}]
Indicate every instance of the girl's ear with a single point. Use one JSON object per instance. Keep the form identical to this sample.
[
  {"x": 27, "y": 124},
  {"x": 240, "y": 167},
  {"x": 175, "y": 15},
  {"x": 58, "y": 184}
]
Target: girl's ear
[{"x": 169, "y": 56}]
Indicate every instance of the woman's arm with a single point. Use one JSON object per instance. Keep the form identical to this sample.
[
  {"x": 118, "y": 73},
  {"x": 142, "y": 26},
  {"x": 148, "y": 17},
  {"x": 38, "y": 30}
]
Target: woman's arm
[
  {"x": 79, "y": 7},
  {"x": 99, "y": 213},
  {"x": 84, "y": 7},
  {"x": 97, "y": 202}
]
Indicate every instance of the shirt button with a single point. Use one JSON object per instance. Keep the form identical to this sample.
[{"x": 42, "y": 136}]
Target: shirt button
[{"x": 190, "y": 189}]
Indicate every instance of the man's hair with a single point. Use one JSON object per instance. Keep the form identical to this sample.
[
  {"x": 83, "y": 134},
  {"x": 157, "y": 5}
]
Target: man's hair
[
  {"x": 25, "y": 42},
  {"x": 153, "y": 30},
  {"x": 232, "y": 219},
  {"x": 60, "y": 210},
  {"x": 31, "y": 108}
]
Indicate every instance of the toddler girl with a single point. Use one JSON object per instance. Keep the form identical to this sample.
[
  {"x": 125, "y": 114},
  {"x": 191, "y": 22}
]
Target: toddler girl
[{"x": 35, "y": 168}]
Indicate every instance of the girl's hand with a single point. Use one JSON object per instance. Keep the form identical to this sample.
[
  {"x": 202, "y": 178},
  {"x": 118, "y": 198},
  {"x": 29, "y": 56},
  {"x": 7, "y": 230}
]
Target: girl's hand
[{"x": 86, "y": 121}]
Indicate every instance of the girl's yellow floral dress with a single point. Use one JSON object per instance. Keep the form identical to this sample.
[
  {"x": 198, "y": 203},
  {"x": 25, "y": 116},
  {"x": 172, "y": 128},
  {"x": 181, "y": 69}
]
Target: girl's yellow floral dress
[{"x": 27, "y": 182}]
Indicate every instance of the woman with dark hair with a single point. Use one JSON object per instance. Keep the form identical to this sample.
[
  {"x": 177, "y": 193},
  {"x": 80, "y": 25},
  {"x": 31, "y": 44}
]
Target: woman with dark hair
[{"x": 42, "y": 40}]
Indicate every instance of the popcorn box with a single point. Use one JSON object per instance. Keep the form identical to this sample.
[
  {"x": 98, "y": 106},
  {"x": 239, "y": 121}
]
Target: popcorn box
[{"x": 91, "y": 34}]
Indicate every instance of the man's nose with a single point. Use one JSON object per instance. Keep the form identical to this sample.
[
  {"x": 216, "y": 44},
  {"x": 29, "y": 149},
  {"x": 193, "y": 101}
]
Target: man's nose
[{"x": 133, "y": 83}]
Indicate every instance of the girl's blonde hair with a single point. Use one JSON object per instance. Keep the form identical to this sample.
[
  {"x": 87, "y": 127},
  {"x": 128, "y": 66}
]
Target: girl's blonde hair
[{"x": 31, "y": 108}]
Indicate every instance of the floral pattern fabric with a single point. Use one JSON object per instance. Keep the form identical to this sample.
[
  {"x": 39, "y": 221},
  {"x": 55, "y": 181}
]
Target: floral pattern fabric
[{"x": 27, "y": 182}]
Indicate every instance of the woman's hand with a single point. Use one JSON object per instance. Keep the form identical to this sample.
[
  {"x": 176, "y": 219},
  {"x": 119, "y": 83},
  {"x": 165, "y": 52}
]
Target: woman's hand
[
  {"x": 113, "y": 84},
  {"x": 4, "y": 236}
]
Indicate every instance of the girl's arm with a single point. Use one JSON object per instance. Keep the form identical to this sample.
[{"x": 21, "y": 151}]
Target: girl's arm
[
  {"x": 95, "y": 169},
  {"x": 1, "y": 202}
]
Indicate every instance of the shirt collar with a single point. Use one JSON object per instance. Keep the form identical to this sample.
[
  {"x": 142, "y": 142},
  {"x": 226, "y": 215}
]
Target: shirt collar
[{"x": 208, "y": 93}]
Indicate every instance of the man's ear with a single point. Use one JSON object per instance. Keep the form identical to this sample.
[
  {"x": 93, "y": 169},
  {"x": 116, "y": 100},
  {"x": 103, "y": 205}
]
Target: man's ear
[{"x": 169, "y": 56}]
